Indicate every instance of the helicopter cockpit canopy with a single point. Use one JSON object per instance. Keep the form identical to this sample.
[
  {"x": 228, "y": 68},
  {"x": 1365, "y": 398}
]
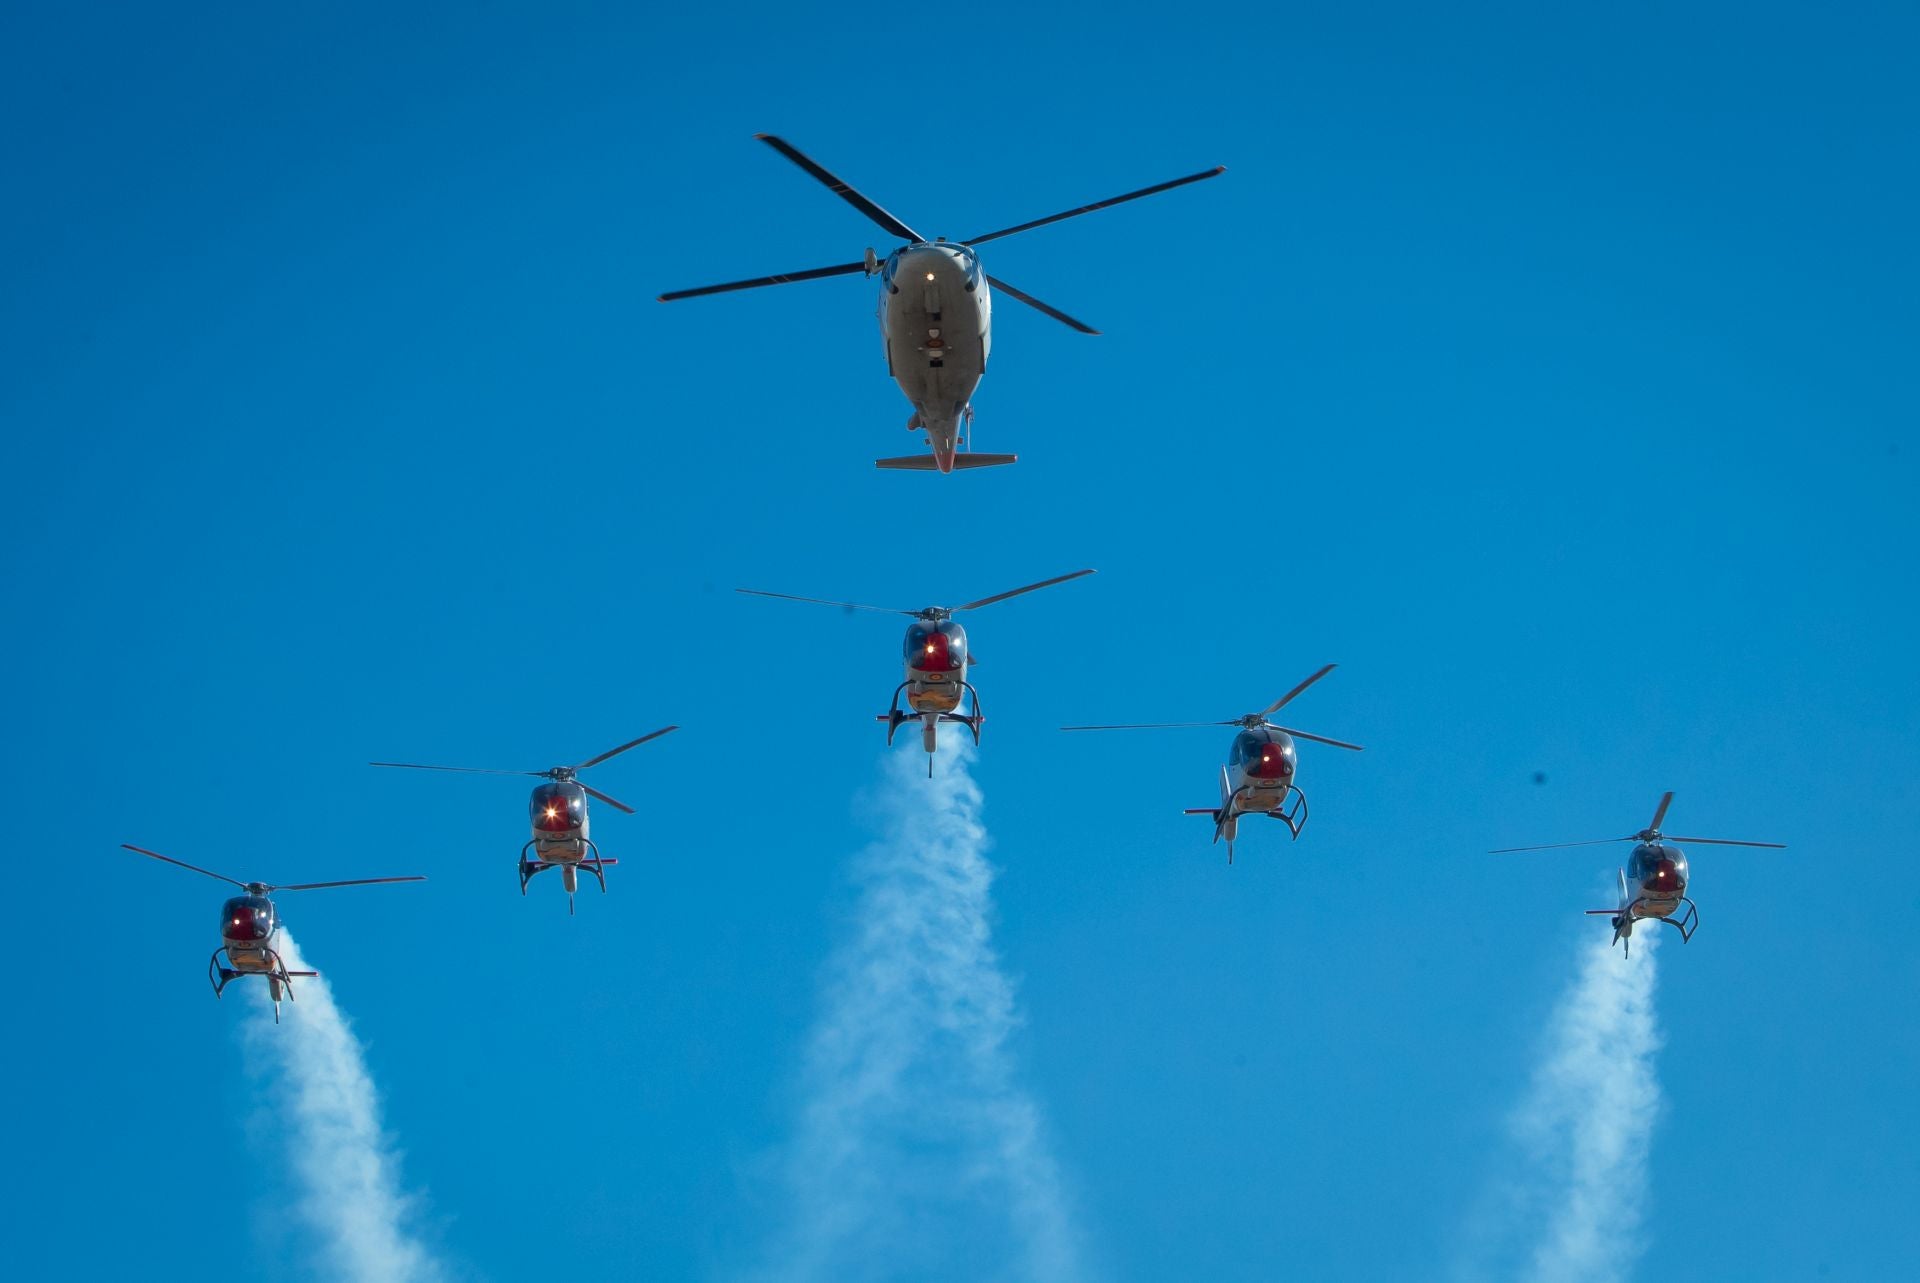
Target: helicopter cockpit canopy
[
  {"x": 247, "y": 918},
  {"x": 559, "y": 807},
  {"x": 1263, "y": 754},
  {"x": 936, "y": 647},
  {"x": 1658, "y": 864}
]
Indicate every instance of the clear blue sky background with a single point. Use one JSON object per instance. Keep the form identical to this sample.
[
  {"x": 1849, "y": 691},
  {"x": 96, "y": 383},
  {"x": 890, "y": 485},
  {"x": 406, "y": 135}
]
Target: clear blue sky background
[{"x": 1553, "y": 373}]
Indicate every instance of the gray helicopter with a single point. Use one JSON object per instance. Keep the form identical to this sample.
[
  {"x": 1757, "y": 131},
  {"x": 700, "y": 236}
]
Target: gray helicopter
[
  {"x": 1654, "y": 882},
  {"x": 937, "y": 659},
  {"x": 1257, "y": 778},
  {"x": 936, "y": 314},
  {"x": 558, "y": 810},
  {"x": 249, "y": 925}
]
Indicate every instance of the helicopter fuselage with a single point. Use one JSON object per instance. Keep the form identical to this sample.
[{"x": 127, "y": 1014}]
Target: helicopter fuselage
[
  {"x": 936, "y": 320},
  {"x": 1656, "y": 879},
  {"x": 248, "y": 925},
  {"x": 560, "y": 822},
  {"x": 936, "y": 666},
  {"x": 1257, "y": 779}
]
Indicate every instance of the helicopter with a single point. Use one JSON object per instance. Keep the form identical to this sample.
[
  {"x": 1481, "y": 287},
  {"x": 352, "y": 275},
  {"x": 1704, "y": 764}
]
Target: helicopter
[
  {"x": 936, "y": 314},
  {"x": 937, "y": 659},
  {"x": 1657, "y": 870},
  {"x": 1257, "y": 778},
  {"x": 248, "y": 925},
  {"x": 559, "y": 812}
]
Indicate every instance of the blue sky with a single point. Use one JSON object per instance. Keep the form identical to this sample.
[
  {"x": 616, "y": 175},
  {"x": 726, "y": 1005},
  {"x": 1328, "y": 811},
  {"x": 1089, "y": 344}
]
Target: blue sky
[{"x": 1552, "y": 373}]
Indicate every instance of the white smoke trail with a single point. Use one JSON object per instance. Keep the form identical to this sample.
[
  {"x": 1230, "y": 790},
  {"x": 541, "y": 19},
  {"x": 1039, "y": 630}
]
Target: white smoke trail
[
  {"x": 916, "y": 1150},
  {"x": 343, "y": 1162},
  {"x": 1586, "y": 1124}
]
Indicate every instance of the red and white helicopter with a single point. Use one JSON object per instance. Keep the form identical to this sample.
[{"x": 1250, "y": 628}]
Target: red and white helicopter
[
  {"x": 558, "y": 810},
  {"x": 1258, "y": 776},
  {"x": 936, "y": 313},
  {"x": 937, "y": 659},
  {"x": 249, "y": 925},
  {"x": 1654, "y": 882}
]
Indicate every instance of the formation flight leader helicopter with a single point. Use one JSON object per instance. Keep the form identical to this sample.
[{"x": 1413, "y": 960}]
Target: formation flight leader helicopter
[
  {"x": 558, "y": 810},
  {"x": 248, "y": 926},
  {"x": 937, "y": 660},
  {"x": 1654, "y": 882},
  {"x": 936, "y": 313},
  {"x": 1257, "y": 778}
]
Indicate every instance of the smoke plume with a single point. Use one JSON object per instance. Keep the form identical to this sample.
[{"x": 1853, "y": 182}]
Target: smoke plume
[
  {"x": 343, "y": 1164},
  {"x": 1572, "y": 1207},
  {"x": 917, "y": 1153}
]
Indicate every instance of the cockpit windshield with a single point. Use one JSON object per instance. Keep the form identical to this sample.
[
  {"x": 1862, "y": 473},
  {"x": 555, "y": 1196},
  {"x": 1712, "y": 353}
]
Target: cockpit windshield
[
  {"x": 559, "y": 807},
  {"x": 937, "y": 647},
  {"x": 1263, "y": 754},
  {"x": 247, "y": 917}
]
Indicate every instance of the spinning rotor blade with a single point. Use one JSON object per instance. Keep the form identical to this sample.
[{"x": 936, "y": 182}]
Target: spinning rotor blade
[
  {"x": 1035, "y": 303},
  {"x": 1215, "y": 172},
  {"x": 350, "y": 882},
  {"x": 821, "y": 601},
  {"x": 183, "y": 864},
  {"x": 785, "y": 278},
  {"x": 839, "y": 188},
  {"x": 464, "y": 770},
  {"x": 1146, "y": 726},
  {"x": 1556, "y": 846},
  {"x": 1318, "y": 739},
  {"x": 1660, "y": 812},
  {"x": 610, "y": 801},
  {"x": 615, "y": 752},
  {"x": 1771, "y": 846},
  {"x": 1282, "y": 702},
  {"x": 1044, "y": 583}
]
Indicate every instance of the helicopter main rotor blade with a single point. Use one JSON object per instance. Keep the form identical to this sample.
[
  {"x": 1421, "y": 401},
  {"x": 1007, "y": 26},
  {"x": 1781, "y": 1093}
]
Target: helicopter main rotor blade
[
  {"x": 183, "y": 864},
  {"x": 464, "y": 770},
  {"x": 1044, "y": 583},
  {"x": 1036, "y": 304},
  {"x": 615, "y": 752},
  {"x": 1146, "y": 726},
  {"x": 1660, "y": 812},
  {"x": 1287, "y": 698},
  {"x": 821, "y": 601},
  {"x": 784, "y": 278},
  {"x": 844, "y": 190},
  {"x": 1558, "y": 846},
  {"x": 1771, "y": 846},
  {"x": 350, "y": 882},
  {"x": 1215, "y": 172},
  {"x": 610, "y": 801},
  {"x": 1318, "y": 739}
]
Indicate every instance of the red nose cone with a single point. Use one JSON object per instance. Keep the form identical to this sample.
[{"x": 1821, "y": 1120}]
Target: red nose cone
[{"x": 1273, "y": 764}]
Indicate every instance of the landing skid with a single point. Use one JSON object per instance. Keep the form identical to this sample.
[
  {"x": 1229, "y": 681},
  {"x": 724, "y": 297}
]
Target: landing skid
[
  {"x": 895, "y": 717},
  {"x": 1292, "y": 812},
  {"x": 594, "y": 864},
  {"x": 1685, "y": 922},
  {"x": 278, "y": 977}
]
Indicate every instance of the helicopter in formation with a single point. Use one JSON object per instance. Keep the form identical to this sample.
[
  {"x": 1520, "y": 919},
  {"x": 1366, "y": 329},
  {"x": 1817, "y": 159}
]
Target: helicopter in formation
[
  {"x": 248, "y": 926},
  {"x": 558, "y": 810},
  {"x": 937, "y": 659},
  {"x": 936, "y": 314},
  {"x": 1257, "y": 778},
  {"x": 1653, "y": 885}
]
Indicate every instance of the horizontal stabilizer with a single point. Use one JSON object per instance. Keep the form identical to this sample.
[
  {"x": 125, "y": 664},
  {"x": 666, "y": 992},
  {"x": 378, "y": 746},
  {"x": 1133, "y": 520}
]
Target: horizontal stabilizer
[
  {"x": 1202, "y": 810},
  {"x": 927, "y": 463},
  {"x": 302, "y": 973},
  {"x": 1605, "y": 913}
]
